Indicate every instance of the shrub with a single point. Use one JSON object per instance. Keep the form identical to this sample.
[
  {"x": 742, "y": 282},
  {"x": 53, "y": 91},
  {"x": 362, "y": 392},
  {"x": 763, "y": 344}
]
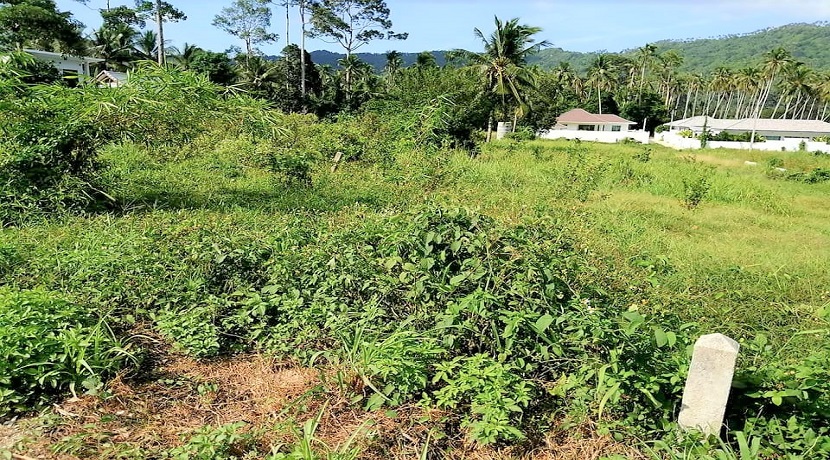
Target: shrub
[
  {"x": 662, "y": 129},
  {"x": 742, "y": 137},
  {"x": 522, "y": 134},
  {"x": 48, "y": 346}
]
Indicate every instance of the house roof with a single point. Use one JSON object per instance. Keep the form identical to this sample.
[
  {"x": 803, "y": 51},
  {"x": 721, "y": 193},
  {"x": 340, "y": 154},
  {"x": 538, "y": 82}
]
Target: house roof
[
  {"x": 61, "y": 56},
  {"x": 110, "y": 75},
  {"x": 761, "y": 124},
  {"x": 582, "y": 116}
]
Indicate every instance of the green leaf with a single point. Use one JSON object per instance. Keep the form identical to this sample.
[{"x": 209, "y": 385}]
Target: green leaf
[
  {"x": 543, "y": 323},
  {"x": 661, "y": 337},
  {"x": 457, "y": 279}
]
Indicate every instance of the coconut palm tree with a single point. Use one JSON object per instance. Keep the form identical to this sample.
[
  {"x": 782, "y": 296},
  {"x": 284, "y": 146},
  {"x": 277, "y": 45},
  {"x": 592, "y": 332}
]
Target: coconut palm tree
[
  {"x": 394, "y": 64},
  {"x": 646, "y": 57},
  {"x": 774, "y": 62},
  {"x": 602, "y": 75},
  {"x": 114, "y": 46},
  {"x": 568, "y": 78},
  {"x": 503, "y": 64},
  {"x": 146, "y": 44},
  {"x": 184, "y": 58}
]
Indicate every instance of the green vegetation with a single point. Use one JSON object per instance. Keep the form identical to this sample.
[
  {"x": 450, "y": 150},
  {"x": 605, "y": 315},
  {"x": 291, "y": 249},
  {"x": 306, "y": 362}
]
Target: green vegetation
[
  {"x": 452, "y": 297},
  {"x": 808, "y": 42},
  {"x": 534, "y": 288}
]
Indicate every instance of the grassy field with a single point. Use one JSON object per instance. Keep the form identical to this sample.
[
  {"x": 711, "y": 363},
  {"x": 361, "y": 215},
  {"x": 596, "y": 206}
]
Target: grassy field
[{"x": 269, "y": 319}]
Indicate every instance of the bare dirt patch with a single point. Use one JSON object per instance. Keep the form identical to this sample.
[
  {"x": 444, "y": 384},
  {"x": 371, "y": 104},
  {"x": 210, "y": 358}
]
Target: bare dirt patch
[{"x": 274, "y": 399}]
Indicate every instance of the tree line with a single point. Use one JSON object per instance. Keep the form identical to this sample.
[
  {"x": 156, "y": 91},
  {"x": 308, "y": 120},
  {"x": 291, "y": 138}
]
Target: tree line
[{"x": 646, "y": 86}]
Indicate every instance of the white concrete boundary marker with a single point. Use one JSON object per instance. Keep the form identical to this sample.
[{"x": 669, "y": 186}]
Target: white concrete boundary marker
[{"x": 708, "y": 384}]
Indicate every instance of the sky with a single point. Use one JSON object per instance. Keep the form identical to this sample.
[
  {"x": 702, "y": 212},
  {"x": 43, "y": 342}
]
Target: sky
[{"x": 580, "y": 25}]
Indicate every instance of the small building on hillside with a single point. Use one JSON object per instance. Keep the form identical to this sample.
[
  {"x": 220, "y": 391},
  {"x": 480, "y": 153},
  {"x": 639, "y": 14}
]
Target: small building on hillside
[
  {"x": 75, "y": 68},
  {"x": 583, "y": 125},
  {"x": 110, "y": 78},
  {"x": 772, "y": 129}
]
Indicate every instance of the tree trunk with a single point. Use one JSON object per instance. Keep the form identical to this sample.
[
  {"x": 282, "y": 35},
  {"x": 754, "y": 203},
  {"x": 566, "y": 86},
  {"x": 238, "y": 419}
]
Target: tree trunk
[
  {"x": 302, "y": 49},
  {"x": 287, "y": 23},
  {"x": 599, "y": 99},
  {"x": 160, "y": 27}
]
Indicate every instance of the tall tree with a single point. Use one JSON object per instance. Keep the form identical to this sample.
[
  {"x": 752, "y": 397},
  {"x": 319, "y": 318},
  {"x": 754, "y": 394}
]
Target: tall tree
[
  {"x": 248, "y": 20},
  {"x": 503, "y": 64},
  {"x": 159, "y": 12},
  {"x": 39, "y": 24},
  {"x": 774, "y": 62},
  {"x": 394, "y": 63},
  {"x": 645, "y": 57},
  {"x": 303, "y": 8},
  {"x": 601, "y": 75},
  {"x": 353, "y": 23},
  {"x": 291, "y": 99}
]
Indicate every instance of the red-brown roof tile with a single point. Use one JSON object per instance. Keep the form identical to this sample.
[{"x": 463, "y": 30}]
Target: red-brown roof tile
[{"x": 582, "y": 116}]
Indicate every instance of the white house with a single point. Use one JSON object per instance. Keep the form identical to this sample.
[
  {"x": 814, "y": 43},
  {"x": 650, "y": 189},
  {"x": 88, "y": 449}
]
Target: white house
[
  {"x": 69, "y": 66},
  {"x": 110, "y": 78},
  {"x": 772, "y": 129},
  {"x": 777, "y": 134},
  {"x": 583, "y": 125}
]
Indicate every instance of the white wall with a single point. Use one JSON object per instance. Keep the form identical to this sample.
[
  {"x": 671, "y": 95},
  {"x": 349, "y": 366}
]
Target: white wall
[
  {"x": 609, "y": 137},
  {"x": 790, "y": 145},
  {"x": 599, "y": 127}
]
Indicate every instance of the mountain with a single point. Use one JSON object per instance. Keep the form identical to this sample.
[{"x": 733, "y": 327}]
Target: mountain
[
  {"x": 377, "y": 60},
  {"x": 809, "y": 43}
]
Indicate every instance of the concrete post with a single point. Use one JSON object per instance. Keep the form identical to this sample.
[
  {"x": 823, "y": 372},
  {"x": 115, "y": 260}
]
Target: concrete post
[{"x": 708, "y": 384}]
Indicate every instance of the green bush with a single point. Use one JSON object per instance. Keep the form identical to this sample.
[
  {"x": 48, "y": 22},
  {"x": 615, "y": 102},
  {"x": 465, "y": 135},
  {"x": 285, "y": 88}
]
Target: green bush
[
  {"x": 522, "y": 134},
  {"x": 48, "y": 346},
  {"x": 742, "y": 137}
]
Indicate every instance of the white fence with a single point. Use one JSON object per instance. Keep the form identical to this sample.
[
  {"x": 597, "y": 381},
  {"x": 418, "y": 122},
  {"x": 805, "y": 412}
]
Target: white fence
[
  {"x": 609, "y": 137},
  {"x": 785, "y": 145}
]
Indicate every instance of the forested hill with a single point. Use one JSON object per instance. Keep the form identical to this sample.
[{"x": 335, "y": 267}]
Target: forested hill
[
  {"x": 809, "y": 43},
  {"x": 377, "y": 60}
]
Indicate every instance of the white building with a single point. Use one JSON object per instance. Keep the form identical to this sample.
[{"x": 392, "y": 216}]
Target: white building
[
  {"x": 772, "y": 129},
  {"x": 69, "y": 66},
  {"x": 583, "y": 125},
  {"x": 774, "y": 134}
]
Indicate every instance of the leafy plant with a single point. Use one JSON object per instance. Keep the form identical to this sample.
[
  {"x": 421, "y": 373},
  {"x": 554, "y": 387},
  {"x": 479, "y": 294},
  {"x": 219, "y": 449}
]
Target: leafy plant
[
  {"x": 491, "y": 393},
  {"x": 49, "y": 345}
]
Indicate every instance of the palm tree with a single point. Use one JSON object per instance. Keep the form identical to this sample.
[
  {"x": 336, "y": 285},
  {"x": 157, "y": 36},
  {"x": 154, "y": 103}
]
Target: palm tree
[
  {"x": 113, "y": 45},
  {"x": 602, "y": 76},
  {"x": 146, "y": 44},
  {"x": 646, "y": 57},
  {"x": 351, "y": 67},
  {"x": 503, "y": 64},
  {"x": 394, "y": 63},
  {"x": 184, "y": 58},
  {"x": 425, "y": 60},
  {"x": 823, "y": 90},
  {"x": 774, "y": 61}
]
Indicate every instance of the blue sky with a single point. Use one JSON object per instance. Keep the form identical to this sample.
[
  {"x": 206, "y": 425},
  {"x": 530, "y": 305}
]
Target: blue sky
[{"x": 582, "y": 25}]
